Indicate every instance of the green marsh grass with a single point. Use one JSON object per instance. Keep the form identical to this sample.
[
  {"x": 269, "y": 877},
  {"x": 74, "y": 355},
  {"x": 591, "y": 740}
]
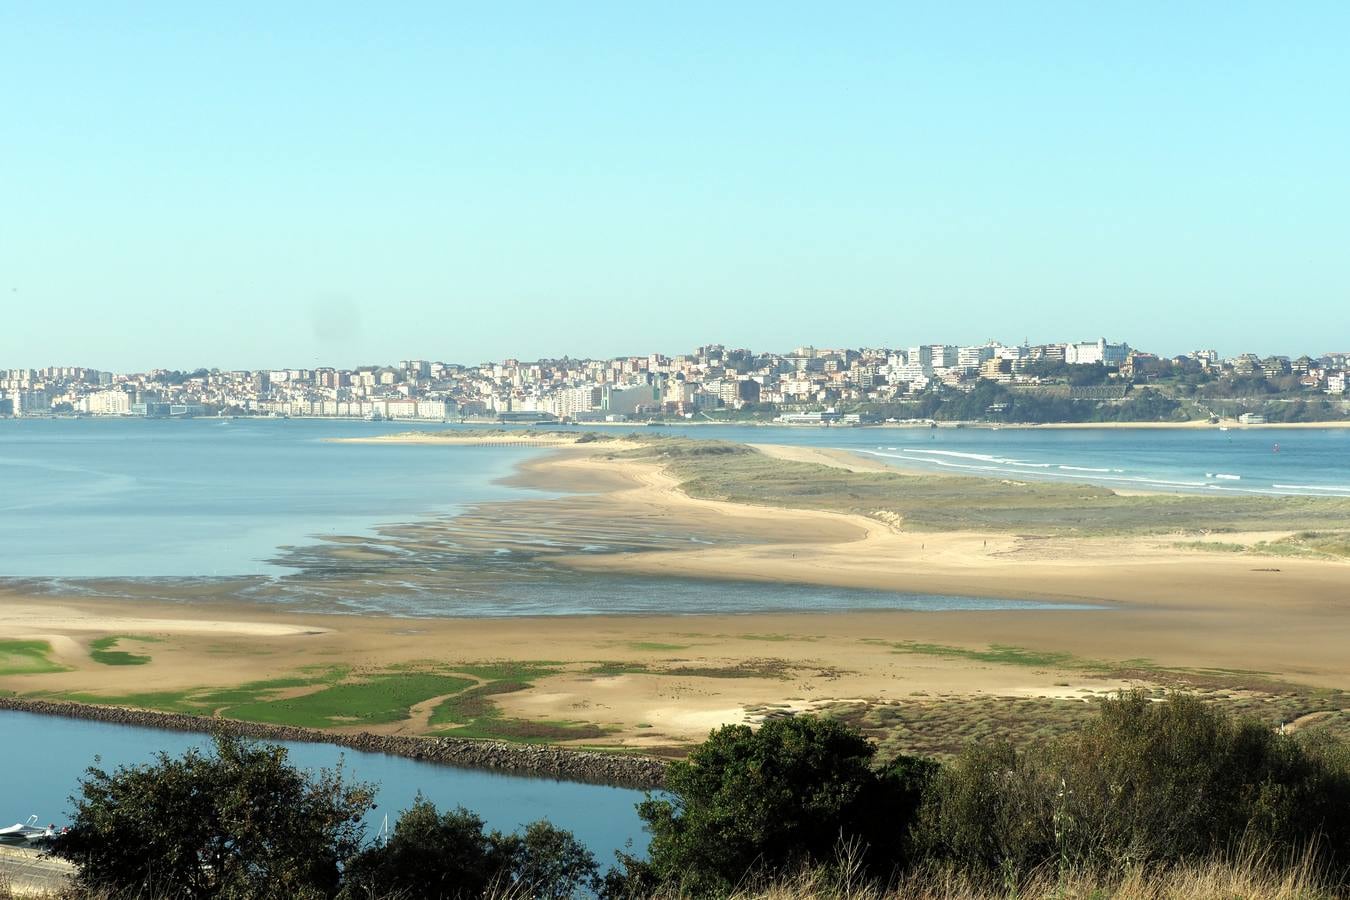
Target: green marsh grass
[
  {"x": 27, "y": 657},
  {"x": 101, "y": 650}
]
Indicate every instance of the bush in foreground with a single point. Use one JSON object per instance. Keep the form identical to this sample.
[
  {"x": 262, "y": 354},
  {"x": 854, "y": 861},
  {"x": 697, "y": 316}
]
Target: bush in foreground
[
  {"x": 1146, "y": 783},
  {"x": 241, "y": 822},
  {"x": 787, "y": 795},
  {"x": 449, "y": 855}
]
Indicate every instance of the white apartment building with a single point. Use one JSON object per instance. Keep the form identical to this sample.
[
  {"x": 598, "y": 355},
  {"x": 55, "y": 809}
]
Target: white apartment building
[
  {"x": 944, "y": 355},
  {"x": 973, "y": 357},
  {"x": 31, "y": 403},
  {"x": 1098, "y": 351},
  {"x": 105, "y": 403},
  {"x": 909, "y": 373},
  {"x": 570, "y": 402}
]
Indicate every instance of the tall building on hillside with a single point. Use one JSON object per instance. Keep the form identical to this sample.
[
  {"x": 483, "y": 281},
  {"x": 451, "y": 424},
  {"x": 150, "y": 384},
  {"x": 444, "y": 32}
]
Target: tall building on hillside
[
  {"x": 1098, "y": 351},
  {"x": 30, "y": 403},
  {"x": 106, "y": 403}
]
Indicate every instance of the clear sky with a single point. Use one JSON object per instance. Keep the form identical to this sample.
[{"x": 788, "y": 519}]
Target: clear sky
[{"x": 267, "y": 184}]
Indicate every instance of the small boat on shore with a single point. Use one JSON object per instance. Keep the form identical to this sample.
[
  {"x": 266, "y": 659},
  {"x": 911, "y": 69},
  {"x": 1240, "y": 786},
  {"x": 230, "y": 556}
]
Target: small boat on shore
[{"x": 25, "y": 831}]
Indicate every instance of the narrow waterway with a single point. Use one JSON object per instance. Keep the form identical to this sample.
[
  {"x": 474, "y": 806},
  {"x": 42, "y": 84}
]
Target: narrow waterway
[{"x": 45, "y": 756}]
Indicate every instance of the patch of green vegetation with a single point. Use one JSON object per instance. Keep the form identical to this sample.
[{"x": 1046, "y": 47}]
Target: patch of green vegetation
[
  {"x": 777, "y": 638},
  {"x": 27, "y": 657},
  {"x": 473, "y": 704},
  {"x": 473, "y": 714},
  {"x": 256, "y": 691},
  {"x": 118, "y": 657},
  {"x": 509, "y": 670},
  {"x": 999, "y": 653},
  {"x": 1304, "y": 544},
  {"x": 202, "y": 701},
  {"x": 333, "y": 696},
  {"x": 1212, "y": 546},
  {"x": 611, "y": 668},
  {"x": 371, "y": 700},
  {"x": 1336, "y": 543},
  {"x": 101, "y": 650},
  {"x": 750, "y": 668},
  {"x": 656, "y": 646}
]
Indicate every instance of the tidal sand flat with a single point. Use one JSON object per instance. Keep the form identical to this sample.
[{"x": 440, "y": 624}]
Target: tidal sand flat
[{"x": 1241, "y": 629}]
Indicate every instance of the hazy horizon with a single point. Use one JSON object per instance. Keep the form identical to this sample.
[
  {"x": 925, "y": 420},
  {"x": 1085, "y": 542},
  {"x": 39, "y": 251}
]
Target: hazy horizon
[{"x": 259, "y": 187}]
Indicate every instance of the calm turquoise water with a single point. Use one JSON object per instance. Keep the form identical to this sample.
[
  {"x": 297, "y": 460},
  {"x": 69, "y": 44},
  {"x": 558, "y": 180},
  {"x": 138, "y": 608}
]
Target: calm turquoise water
[
  {"x": 202, "y": 497},
  {"x": 54, "y": 752}
]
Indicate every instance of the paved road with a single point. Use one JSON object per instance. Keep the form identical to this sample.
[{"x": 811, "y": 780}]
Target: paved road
[{"x": 27, "y": 873}]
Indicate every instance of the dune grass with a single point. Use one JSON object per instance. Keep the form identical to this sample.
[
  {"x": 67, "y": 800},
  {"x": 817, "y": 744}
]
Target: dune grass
[
  {"x": 736, "y": 473},
  {"x": 1303, "y": 544}
]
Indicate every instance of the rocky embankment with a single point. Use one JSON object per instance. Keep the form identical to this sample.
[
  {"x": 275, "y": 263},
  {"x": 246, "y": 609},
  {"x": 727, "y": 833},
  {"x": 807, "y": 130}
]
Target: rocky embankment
[{"x": 516, "y": 759}]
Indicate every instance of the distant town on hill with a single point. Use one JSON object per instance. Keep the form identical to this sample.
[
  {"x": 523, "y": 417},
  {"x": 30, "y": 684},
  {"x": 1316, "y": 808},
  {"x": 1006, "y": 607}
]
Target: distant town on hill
[{"x": 1092, "y": 381}]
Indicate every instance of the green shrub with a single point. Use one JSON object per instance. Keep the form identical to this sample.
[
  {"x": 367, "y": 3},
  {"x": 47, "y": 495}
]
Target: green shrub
[
  {"x": 241, "y": 822},
  {"x": 1145, "y": 783},
  {"x": 787, "y": 795},
  {"x": 438, "y": 856}
]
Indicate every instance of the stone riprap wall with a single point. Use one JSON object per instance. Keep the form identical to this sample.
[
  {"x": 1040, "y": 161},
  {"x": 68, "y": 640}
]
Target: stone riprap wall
[{"x": 518, "y": 759}]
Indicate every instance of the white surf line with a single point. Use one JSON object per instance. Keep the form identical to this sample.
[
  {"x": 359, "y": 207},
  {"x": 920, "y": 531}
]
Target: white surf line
[
  {"x": 1314, "y": 487},
  {"x": 1096, "y": 475}
]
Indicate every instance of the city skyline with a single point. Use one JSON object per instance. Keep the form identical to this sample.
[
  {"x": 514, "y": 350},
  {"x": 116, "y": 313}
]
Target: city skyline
[
  {"x": 267, "y": 187},
  {"x": 1055, "y": 380},
  {"x": 758, "y": 348}
]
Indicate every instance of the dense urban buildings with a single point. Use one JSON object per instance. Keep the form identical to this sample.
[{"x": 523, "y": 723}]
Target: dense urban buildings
[{"x": 806, "y": 385}]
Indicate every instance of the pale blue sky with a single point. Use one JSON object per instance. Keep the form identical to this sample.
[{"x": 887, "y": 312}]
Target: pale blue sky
[{"x": 263, "y": 184}]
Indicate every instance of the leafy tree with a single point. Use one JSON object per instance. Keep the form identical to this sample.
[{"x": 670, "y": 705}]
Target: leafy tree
[
  {"x": 438, "y": 855},
  {"x": 240, "y": 822},
  {"x": 548, "y": 862},
  {"x": 788, "y": 794},
  {"x": 988, "y": 811},
  {"x": 1090, "y": 374},
  {"x": 429, "y": 854}
]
